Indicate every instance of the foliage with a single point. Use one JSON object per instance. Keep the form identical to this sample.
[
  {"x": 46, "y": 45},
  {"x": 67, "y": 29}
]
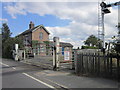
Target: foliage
[
  {"x": 78, "y": 48},
  {"x": 47, "y": 46},
  {"x": 93, "y": 41},
  {"x": 88, "y": 47},
  {"x": 116, "y": 42},
  {"x": 19, "y": 41},
  {"x": 7, "y": 47},
  {"x": 9, "y": 42},
  {"x": 5, "y": 32},
  {"x": 46, "y": 42},
  {"x": 117, "y": 47},
  {"x": 34, "y": 43}
]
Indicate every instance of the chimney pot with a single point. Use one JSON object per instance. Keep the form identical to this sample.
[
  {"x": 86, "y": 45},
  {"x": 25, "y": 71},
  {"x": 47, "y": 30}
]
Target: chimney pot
[{"x": 31, "y": 25}]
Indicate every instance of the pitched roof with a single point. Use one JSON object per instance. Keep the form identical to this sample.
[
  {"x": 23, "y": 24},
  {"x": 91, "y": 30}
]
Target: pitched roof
[
  {"x": 30, "y": 30},
  {"x": 62, "y": 44}
]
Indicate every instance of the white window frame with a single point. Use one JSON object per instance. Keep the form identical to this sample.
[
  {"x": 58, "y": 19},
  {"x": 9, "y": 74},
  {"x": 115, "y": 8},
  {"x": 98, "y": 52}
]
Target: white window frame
[{"x": 41, "y": 36}]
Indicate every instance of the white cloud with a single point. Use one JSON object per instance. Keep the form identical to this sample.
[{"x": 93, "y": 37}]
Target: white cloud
[
  {"x": 83, "y": 17},
  {"x": 17, "y": 9},
  {"x": 56, "y": 0},
  {"x": 3, "y": 19}
]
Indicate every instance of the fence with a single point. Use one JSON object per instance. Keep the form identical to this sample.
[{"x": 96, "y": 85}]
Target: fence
[{"x": 98, "y": 64}]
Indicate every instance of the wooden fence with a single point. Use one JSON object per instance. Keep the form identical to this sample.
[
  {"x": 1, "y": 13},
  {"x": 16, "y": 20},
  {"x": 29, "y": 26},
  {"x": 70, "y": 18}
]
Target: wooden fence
[{"x": 98, "y": 64}]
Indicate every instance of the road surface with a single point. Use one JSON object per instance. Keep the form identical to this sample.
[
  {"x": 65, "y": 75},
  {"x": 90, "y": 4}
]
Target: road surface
[{"x": 20, "y": 75}]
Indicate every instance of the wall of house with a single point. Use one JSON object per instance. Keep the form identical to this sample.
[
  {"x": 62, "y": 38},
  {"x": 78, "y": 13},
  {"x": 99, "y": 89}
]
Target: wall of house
[
  {"x": 40, "y": 49},
  {"x": 28, "y": 36},
  {"x": 36, "y": 35}
]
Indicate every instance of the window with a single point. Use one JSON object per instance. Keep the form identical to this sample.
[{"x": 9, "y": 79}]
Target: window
[
  {"x": 41, "y": 35},
  {"x": 42, "y": 49}
]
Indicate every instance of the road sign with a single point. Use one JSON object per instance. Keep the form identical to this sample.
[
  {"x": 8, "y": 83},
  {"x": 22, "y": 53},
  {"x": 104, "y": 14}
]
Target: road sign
[{"x": 66, "y": 55}]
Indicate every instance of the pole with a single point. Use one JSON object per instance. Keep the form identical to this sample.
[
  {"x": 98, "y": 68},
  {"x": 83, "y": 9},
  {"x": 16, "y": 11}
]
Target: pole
[
  {"x": 103, "y": 31},
  {"x": 16, "y": 52},
  {"x": 56, "y": 53},
  {"x": 24, "y": 55}
]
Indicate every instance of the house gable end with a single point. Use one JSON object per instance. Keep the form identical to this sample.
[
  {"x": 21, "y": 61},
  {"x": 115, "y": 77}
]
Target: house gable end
[
  {"x": 41, "y": 26},
  {"x": 40, "y": 34}
]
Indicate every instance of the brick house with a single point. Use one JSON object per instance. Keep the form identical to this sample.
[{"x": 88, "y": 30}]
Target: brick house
[
  {"x": 40, "y": 33},
  {"x": 35, "y": 33}
]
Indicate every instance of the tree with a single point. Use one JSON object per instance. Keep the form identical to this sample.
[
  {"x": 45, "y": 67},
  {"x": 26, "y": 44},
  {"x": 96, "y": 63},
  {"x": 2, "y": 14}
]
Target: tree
[
  {"x": 92, "y": 41},
  {"x": 88, "y": 47},
  {"x": 8, "y": 42},
  {"x": 19, "y": 41},
  {"x": 117, "y": 44},
  {"x": 7, "y": 47},
  {"x": 117, "y": 47},
  {"x": 5, "y": 32}
]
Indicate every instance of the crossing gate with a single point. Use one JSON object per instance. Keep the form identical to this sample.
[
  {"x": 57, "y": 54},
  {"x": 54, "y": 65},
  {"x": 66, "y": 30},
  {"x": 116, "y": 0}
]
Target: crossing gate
[
  {"x": 61, "y": 55},
  {"x": 98, "y": 64}
]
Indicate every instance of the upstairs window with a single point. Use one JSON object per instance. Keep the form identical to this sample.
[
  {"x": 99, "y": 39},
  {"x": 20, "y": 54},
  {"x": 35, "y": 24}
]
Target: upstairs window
[{"x": 41, "y": 36}]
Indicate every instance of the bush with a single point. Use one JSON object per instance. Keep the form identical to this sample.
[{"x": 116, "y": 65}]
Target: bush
[
  {"x": 8, "y": 45},
  {"x": 7, "y": 48},
  {"x": 88, "y": 47}
]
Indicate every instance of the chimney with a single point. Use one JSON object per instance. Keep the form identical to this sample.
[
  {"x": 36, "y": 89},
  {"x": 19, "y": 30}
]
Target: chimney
[{"x": 31, "y": 25}]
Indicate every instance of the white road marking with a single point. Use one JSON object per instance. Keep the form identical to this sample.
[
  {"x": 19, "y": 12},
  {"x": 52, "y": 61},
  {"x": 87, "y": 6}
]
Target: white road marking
[
  {"x": 56, "y": 83},
  {"x": 7, "y": 65},
  {"x": 4, "y": 64},
  {"x": 38, "y": 80},
  {"x": 14, "y": 68}
]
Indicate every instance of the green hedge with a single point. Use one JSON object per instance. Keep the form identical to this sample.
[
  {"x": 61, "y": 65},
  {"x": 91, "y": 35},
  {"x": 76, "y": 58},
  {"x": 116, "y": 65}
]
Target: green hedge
[{"x": 88, "y": 47}]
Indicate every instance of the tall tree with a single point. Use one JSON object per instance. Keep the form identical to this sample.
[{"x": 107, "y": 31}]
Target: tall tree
[
  {"x": 117, "y": 44},
  {"x": 91, "y": 40},
  {"x": 5, "y": 32},
  {"x": 8, "y": 42}
]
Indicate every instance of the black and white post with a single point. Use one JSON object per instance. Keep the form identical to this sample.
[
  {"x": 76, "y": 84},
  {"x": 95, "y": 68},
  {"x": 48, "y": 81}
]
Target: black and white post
[
  {"x": 16, "y": 52},
  {"x": 56, "y": 53}
]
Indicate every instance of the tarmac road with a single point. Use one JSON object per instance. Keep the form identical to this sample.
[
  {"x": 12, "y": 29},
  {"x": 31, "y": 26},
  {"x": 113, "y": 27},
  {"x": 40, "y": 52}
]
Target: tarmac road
[{"x": 20, "y": 75}]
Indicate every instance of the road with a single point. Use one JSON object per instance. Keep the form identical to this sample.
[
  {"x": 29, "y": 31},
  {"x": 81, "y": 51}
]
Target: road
[{"x": 20, "y": 75}]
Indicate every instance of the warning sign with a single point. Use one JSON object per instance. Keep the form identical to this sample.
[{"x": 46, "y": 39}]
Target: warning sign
[{"x": 66, "y": 55}]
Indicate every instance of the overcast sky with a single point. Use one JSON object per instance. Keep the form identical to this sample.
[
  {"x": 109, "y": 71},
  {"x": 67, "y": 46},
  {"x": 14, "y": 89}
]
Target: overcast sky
[{"x": 73, "y": 22}]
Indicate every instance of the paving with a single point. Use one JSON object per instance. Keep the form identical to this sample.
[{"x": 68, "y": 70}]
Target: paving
[
  {"x": 69, "y": 80},
  {"x": 66, "y": 77},
  {"x": 46, "y": 62}
]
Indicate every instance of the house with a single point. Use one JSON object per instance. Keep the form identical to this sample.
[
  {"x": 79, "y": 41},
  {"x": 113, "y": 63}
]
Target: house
[
  {"x": 38, "y": 33},
  {"x": 43, "y": 46}
]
